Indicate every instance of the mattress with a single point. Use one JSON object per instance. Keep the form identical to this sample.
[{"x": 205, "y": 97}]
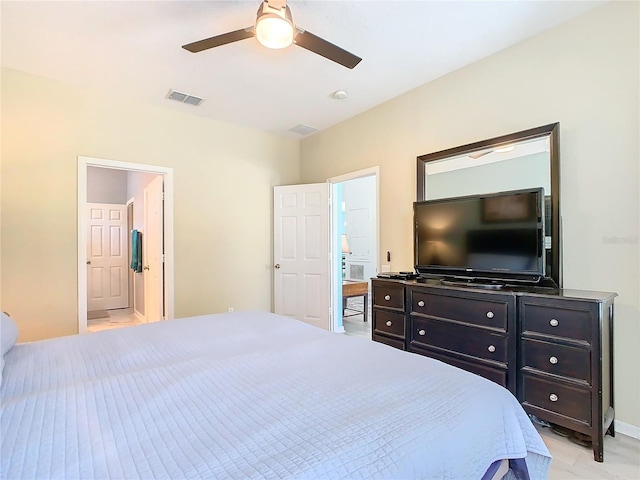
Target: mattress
[{"x": 250, "y": 395}]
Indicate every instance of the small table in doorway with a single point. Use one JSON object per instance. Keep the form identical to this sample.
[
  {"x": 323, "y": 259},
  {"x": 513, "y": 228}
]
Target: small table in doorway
[{"x": 355, "y": 288}]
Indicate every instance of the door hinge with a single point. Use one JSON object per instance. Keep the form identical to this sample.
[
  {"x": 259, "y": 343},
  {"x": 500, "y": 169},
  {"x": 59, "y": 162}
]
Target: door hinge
[{"x": 163, "y": 258}]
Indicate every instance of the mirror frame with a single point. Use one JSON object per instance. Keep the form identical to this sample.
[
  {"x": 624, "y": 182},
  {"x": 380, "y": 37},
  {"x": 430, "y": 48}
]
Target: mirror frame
[{"x": 552, "y": 131}]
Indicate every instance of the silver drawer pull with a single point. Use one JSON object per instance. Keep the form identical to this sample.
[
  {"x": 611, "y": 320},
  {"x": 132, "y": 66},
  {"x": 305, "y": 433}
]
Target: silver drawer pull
[
  {"x": 553, "y": 397},
  {"x": 553, "y": 360},
  {"x": 491, "y": 348},
  {"x": 489, "y": 314},
  {"x": 421, "y": 303},
  {"x": 387, "y": 297},
  {"x": 421, "y": 332},
  {"x": 553, "y": 322},
  {"x": 389, "y": 323}
]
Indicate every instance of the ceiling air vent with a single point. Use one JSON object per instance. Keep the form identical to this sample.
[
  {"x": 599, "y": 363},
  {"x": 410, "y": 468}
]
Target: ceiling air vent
[
  {"x": 184, "y": 98},
  {"x": 303, "y": 129}
]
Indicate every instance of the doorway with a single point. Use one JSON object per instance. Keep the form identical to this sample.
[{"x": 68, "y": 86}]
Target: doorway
[
  {"x": 355, "y": 239},
  {"x": 317, "y": 209},
  {"x": 158, "y": 268}
]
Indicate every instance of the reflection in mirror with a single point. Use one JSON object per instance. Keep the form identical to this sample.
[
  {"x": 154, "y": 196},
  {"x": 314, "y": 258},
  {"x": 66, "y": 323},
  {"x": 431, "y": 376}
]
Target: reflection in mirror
[
  {"x": 524, "y": 165},
  {"x": 522, "y": 160}
]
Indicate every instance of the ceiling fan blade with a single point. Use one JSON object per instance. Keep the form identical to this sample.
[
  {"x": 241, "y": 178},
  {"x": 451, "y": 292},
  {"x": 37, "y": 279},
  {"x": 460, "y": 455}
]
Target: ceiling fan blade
[
  {"x": 219, "y": 40},
  {"x": 328, "y": 50}
]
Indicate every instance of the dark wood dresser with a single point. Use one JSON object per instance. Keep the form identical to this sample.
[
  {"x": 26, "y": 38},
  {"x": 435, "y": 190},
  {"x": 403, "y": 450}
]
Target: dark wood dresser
[
  {"x": 471, "y": 330},
  {"x": 553, "y": 349}
]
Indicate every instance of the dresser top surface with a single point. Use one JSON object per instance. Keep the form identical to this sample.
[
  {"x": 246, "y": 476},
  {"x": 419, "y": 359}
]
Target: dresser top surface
[{"x": 560, "y": 293}]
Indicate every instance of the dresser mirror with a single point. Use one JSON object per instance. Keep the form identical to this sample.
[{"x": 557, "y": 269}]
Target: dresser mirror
[{"x": 516, "y": 161}]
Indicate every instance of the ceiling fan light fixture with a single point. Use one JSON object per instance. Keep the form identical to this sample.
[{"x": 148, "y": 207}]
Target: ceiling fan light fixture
[{"x": 274, "y": 27}]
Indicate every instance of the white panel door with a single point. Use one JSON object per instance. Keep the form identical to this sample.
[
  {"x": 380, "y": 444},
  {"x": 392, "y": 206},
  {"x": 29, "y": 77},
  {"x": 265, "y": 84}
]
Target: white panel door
[
  {"x": 152, "y": 251},
  {"x": 301, "y": 253},
  {"x": 107, "y": 257}
]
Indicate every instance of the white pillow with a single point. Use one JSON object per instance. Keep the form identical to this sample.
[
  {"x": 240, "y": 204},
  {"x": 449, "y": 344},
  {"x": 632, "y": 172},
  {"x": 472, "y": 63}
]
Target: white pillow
[
  {"x": 8, "y": 337},
  {"x": 8, "y": 333}
]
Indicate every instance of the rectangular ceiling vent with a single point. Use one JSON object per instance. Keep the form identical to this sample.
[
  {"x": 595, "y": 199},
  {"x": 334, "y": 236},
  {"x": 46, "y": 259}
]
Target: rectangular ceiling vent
[
  {"x": 303, "y": 129},
  {"x": 184, "y": 98}
]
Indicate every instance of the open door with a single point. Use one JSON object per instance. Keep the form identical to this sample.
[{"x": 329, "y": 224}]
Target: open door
[
  {"x": 301, "y": 255},
  {"x": 153, "y": 251}
]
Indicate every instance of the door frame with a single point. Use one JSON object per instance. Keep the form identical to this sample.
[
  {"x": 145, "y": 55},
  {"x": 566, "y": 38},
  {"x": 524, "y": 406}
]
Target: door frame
[
  {"x": 131, "y": 292},
  {"x": 336, "y": 259},
  {"x": 167, "y": 173}
]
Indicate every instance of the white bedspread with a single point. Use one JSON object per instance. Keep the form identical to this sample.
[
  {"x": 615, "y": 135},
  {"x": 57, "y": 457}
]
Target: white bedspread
[{"x": 250, "y": 395}]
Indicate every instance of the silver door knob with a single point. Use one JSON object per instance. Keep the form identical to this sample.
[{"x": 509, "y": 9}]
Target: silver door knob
[
  {"x": 421, "y": 332},
  {"x": 553, "y": 397},
  {"x": 553, "y": 322},
  {"x": 553, "y": 360},
  {"x": 276, "y": 266},
  {"x": 489, "y": 314},
  {"x": 389, "y": 323},
  {"x": 491, "y": 348},
  {"x": 146, "y": 267},
  {"x": 387, "y": 297},
  {"x": 421, "y": 303}
]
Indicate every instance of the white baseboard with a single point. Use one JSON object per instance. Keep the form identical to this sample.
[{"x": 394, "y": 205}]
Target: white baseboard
[
  {"x": 139, "y": 316},
  {"x": 339, "y": 330},
  {"x": 627, "y": 429}
]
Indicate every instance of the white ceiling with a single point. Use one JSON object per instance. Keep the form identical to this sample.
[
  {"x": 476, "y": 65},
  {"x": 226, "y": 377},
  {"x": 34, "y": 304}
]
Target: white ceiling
[{"x": 133, "y": 49}]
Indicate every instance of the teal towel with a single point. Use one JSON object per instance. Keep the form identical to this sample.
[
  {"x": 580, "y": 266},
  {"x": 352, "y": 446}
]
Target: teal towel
[{"x": 136, "y": 251}]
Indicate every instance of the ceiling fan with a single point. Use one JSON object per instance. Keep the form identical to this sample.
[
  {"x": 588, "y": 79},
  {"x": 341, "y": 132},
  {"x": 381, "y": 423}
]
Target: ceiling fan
[{"x": 274, "y": 28}]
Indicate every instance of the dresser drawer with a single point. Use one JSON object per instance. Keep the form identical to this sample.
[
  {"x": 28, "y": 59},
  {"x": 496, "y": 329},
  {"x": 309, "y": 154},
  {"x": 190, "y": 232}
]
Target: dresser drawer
[
  {"x": 388, "y": 323},
  {"x": 572, "y": 402},
  {"x": 458, "y": 338},
  {"x": 556, "y": 321},
  {"x": 557, "y": 359},
  {"x": 495, "y": 374},
  {"x": 389, "y": 296},
  {"x": 469, "y": 310},
  {"x": 392, "y": 342}
]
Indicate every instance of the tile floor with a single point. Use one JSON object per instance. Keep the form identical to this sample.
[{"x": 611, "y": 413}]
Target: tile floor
[
  {"x": 119, "y": 318},
  {"x": 572, "y": 461},
  {"x": 354, "y": 323}
]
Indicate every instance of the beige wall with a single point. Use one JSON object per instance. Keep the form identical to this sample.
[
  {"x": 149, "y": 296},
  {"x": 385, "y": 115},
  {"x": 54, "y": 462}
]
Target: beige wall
[
  {"x": 583, "y": 74},
  {"x": 223, "y": 178}
]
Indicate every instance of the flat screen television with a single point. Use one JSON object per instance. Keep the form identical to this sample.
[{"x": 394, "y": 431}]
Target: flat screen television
[{"x": 488, "y": 238}]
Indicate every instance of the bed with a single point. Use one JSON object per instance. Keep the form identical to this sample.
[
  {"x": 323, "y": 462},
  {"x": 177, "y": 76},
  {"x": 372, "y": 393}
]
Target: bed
[{"x": 251, "y": 395}]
